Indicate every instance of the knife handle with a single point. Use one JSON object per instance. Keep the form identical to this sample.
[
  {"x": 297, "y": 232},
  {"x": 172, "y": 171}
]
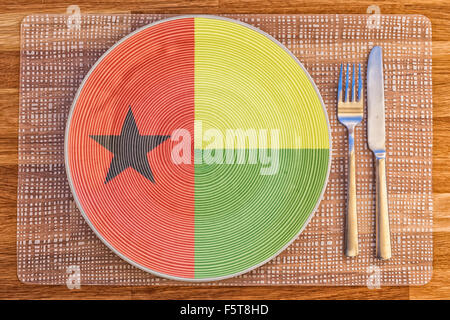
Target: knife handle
[
  {"x": 382, "y": 211},
  {"x": 351, "y": 223}
]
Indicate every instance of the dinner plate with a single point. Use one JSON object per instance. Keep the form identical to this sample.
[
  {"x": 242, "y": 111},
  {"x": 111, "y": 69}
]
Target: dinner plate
[{"x": 197, "y": 148}]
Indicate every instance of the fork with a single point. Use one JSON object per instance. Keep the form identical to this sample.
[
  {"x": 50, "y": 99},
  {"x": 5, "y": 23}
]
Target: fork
[{"x": 350, "y": 113}]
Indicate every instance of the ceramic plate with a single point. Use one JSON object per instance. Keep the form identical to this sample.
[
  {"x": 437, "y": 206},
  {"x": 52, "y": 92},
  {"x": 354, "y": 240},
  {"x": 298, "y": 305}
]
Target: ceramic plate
[{"x": 197, "y": 148}]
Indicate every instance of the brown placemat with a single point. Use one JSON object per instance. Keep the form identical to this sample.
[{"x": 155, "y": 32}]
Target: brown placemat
[{"x": 54, "y": 242}]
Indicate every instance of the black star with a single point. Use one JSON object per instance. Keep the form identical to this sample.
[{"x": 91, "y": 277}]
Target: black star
[{"x": 130, "y": 149}]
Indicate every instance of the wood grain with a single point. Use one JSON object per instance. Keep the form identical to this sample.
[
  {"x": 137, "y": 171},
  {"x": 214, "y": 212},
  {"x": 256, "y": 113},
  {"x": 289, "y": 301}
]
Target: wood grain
[{"x": 11, "y": 14}]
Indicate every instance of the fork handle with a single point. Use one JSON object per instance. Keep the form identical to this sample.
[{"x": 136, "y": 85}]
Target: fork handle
[
  {"x": 382, "y": 211},
  {"x": 351, "y": 224}
]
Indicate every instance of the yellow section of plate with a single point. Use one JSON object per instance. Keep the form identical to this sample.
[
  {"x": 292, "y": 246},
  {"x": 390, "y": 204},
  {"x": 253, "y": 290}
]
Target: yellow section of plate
[{"x": 246, "y": 80}]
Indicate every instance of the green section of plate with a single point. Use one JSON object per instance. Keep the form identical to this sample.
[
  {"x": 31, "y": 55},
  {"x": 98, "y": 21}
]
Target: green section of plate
[{"x": 244, "y": 217}]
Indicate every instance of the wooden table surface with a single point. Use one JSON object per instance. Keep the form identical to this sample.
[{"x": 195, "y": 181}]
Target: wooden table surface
[{"x": 13, "y": 11}]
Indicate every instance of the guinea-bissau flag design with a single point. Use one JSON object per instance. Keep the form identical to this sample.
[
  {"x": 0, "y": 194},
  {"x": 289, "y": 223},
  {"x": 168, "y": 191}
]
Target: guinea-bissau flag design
[{"x": 165, "y": 86}]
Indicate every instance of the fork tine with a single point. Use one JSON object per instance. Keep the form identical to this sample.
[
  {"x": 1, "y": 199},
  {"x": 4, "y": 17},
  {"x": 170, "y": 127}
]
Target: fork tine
[
  {"x": 353, "y": 83},
  {"x": 340, "y": 85},
  {"x": 359, "y": 82},
  {"x": 346, "y": 95}
]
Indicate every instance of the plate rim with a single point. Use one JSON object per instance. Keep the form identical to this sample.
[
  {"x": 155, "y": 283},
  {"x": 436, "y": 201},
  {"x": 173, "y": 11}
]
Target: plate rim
[{"x": 69, "y": 176}]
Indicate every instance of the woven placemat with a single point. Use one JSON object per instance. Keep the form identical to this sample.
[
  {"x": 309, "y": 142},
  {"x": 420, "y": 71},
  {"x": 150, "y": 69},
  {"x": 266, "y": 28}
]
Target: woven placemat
[{"x": 53, "y": 240}]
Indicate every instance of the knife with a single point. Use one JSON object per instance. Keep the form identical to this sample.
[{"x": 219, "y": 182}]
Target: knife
[{"x": 376, "y": 141}]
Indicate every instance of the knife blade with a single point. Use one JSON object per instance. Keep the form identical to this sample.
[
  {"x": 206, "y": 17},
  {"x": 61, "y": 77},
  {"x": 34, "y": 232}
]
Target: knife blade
[
  {"x": 375, "y": 102},
  {"x": 377, "y": 143}
]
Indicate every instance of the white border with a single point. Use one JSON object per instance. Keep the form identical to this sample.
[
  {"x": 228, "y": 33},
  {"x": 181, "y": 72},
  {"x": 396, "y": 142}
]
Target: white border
[{"x": 69, "y": 177}]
